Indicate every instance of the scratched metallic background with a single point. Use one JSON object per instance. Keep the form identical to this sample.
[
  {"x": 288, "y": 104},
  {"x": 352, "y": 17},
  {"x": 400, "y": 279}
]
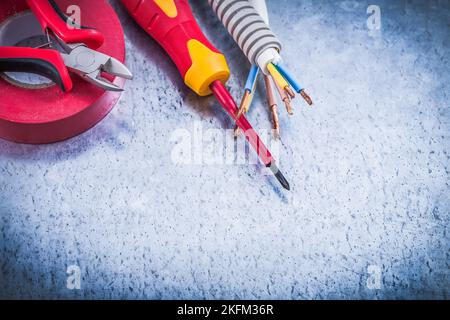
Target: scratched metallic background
[{"x": 368, "y": 166}]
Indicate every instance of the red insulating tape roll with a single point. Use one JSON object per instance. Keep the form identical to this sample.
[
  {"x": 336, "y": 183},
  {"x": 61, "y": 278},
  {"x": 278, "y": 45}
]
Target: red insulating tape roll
[{"x": 38, "y": 116}]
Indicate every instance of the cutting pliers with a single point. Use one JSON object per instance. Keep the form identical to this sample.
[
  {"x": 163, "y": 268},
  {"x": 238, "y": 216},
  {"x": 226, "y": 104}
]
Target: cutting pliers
[{"x": 70, "y": 49}]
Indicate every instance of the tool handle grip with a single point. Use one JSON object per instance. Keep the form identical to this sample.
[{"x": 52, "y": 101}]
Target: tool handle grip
[
  {"x": 47, "y": 63},
  {"x": 172, "y": 24},
  {"x": 51, "y": 17}
]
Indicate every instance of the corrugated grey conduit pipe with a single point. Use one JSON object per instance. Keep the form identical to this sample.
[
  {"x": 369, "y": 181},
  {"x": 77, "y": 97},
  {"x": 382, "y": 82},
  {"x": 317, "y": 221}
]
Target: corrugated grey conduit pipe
[{"x": 249, "y": 30}]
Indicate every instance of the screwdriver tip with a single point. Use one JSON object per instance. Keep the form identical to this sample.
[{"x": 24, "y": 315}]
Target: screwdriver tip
[
  {"x": 280, "y": 177},
  {"x": 283, "y": 180}
]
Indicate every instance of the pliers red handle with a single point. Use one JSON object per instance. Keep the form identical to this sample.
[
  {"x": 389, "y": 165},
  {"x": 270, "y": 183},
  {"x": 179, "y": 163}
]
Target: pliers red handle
[
  {"x": 51, "y": 17},
  {"x": 78, "y": 52}
]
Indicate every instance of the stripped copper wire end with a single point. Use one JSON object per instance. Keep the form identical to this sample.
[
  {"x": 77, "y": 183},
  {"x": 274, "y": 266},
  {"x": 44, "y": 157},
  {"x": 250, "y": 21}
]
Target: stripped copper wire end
[
  {"x": 288, "y": 105},
  {"x": 306, "y": 97},
  {"x": 285, "y": 98},
  {"x": 244, "y": 104},
  {"x": 243, "y": 108},
  {"x": 272, "y": 102},
  {"x": 276, "y": 122},
  {"x": 290, "y": 92}
]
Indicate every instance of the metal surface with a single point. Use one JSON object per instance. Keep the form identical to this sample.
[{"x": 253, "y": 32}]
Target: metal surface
[{"x": 368, "y": 211}]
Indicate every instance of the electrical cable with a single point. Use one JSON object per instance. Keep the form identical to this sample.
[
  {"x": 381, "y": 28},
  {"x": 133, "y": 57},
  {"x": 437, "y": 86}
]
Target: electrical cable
[{"x": 248, "y": 23}]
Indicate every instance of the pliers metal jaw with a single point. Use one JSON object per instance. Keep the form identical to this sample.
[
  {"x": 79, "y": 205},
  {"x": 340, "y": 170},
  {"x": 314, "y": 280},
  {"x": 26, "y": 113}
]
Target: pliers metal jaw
[
  {"x": 69, "y": 49},
  {"x": 90, "y": 64}
]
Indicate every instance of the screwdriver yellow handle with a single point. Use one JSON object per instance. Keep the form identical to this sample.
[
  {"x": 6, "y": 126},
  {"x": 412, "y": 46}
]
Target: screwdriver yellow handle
[{"x": 172, "y": 24}]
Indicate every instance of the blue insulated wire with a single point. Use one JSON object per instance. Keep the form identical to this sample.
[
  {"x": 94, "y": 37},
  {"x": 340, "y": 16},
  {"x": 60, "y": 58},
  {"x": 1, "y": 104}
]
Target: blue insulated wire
[
  {"x": 251, "y": 79},
  {"x": 289, "y": 78}
]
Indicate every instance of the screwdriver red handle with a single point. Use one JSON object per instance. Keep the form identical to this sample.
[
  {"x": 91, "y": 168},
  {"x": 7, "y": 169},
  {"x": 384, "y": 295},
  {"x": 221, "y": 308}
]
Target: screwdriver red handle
[{"x": 172, "y": 24}]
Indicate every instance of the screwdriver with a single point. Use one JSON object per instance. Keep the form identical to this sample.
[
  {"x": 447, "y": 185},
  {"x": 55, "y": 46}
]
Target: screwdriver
[{"x": 204, "y": 69}]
